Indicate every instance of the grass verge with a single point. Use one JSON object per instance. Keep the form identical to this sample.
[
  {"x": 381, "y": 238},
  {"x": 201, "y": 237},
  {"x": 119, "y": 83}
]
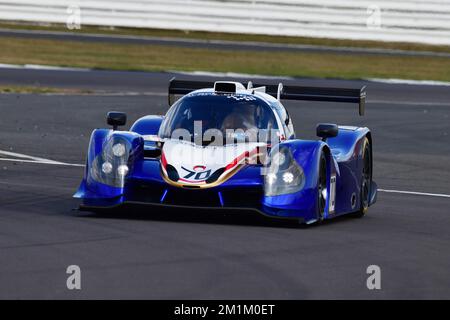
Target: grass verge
[
  {"x": 118, "y": 56},
  {"x": 227, "y": 36},
  {"x": 40, "y": 90}
]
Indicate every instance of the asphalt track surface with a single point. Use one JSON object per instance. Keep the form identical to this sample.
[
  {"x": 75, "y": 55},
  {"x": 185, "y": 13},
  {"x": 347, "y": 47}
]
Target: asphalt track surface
[{"x": 204, "y": 255}]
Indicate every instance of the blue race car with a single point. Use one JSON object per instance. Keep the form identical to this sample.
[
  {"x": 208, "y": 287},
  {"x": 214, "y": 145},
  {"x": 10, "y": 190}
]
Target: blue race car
[{"x": 224, "y": 146}]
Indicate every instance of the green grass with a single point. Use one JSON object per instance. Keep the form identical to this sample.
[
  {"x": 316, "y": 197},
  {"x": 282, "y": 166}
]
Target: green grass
[
  {"x": 228, "y": 36},
  {"x": 118, "y": 56},
  {"x": 40, "y": 90}
]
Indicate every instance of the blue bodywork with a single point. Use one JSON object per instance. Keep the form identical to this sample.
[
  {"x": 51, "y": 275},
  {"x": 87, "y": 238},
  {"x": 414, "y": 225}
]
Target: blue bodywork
[{"x": 144, "y": 183}]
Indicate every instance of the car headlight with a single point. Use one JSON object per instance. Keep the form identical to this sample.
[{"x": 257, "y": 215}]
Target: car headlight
[
  {"x": 111, "y": 166},
  {"x": 119, "y": 149},
  {"x": 284, "y": 175},
  {"x": 122, "y": 170},
  {"x": 107, "y": 167}
]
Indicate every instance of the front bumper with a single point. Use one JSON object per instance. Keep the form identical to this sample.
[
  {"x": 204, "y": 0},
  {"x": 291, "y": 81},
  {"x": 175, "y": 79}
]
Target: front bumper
[
  {"x": 233, "y": 200},
  {"x": 264, "y": 211}
]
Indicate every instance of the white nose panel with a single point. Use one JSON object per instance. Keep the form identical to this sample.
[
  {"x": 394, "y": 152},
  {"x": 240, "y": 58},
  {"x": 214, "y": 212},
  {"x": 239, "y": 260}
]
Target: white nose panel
[{"x": 195, "y": 163}]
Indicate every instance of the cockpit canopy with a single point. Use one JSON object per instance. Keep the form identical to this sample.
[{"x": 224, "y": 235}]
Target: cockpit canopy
[{"x": 229, "y": 115}]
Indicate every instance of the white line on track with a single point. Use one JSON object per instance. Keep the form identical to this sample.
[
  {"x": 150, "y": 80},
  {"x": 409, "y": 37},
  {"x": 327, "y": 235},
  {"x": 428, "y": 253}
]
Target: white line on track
[
  {"x": 416, "y": 193},
  {"x": 229, "y": 74},
  {"x": 411, "y": 82},
  {"x": 43, "y": 162},
  {"x": 22, "y": 158},
  {"x": 225, "y": 74},
  {"x": 41, "y": 67},
  {"x": 19, "y": 157}
]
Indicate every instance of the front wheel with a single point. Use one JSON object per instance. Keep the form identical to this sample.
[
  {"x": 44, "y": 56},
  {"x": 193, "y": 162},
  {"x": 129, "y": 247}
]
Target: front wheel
[
  {"x": 322, "y": 191},
  {"x": 366, "y": 179}
]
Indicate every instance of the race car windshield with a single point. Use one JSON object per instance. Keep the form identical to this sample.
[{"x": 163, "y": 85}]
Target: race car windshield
[{"x": 233, "y": 116}]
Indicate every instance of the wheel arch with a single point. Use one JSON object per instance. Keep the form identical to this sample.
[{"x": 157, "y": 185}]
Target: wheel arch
[{"x": 147, "y": 125}]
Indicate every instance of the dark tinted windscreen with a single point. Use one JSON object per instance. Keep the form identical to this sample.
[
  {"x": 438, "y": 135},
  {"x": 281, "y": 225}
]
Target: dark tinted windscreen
[{"x": 221, "y": 112}]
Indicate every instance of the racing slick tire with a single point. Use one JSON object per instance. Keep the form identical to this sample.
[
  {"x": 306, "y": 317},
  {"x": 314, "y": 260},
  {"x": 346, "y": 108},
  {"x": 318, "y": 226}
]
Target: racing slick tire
[
  {"x": 322, "y": 191},
  {"x": 366, "y": 180}
]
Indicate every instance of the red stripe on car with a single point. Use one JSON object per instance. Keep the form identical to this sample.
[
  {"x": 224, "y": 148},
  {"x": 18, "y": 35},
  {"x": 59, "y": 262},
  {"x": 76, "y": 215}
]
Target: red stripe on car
[
  {"x": 237, "y": 160},
  {"x": 163, "y": 160}
]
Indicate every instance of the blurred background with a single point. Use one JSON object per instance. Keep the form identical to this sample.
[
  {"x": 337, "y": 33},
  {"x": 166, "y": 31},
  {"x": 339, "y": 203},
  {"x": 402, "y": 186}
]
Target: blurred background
[{"x": 406, "y": 39}]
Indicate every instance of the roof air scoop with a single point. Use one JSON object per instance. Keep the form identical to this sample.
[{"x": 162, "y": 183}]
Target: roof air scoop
[{"x": 227, "y": 87}]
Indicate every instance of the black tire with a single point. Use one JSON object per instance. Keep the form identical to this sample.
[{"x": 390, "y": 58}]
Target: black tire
[
  {"x": 322, "y": 188},
  {"x": 366, "y": 181}
]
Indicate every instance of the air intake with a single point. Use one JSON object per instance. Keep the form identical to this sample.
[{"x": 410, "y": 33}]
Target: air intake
[{"x": 227, "y": 87}]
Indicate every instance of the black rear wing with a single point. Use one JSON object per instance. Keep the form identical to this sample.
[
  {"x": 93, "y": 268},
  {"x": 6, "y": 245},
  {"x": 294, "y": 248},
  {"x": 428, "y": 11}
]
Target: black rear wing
[{"x": 281, "y": 92}]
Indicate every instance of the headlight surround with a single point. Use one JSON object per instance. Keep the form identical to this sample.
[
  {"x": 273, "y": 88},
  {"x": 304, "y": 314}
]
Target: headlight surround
[
  {"x": 283, "y": 175},
  {"x": 111, "y": 166}
]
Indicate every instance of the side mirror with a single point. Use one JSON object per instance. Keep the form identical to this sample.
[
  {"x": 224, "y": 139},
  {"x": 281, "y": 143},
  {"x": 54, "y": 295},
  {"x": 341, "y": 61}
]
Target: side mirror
[
  {"x": 327, "y": 130},
  {"x": 116, "y": 119}
]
